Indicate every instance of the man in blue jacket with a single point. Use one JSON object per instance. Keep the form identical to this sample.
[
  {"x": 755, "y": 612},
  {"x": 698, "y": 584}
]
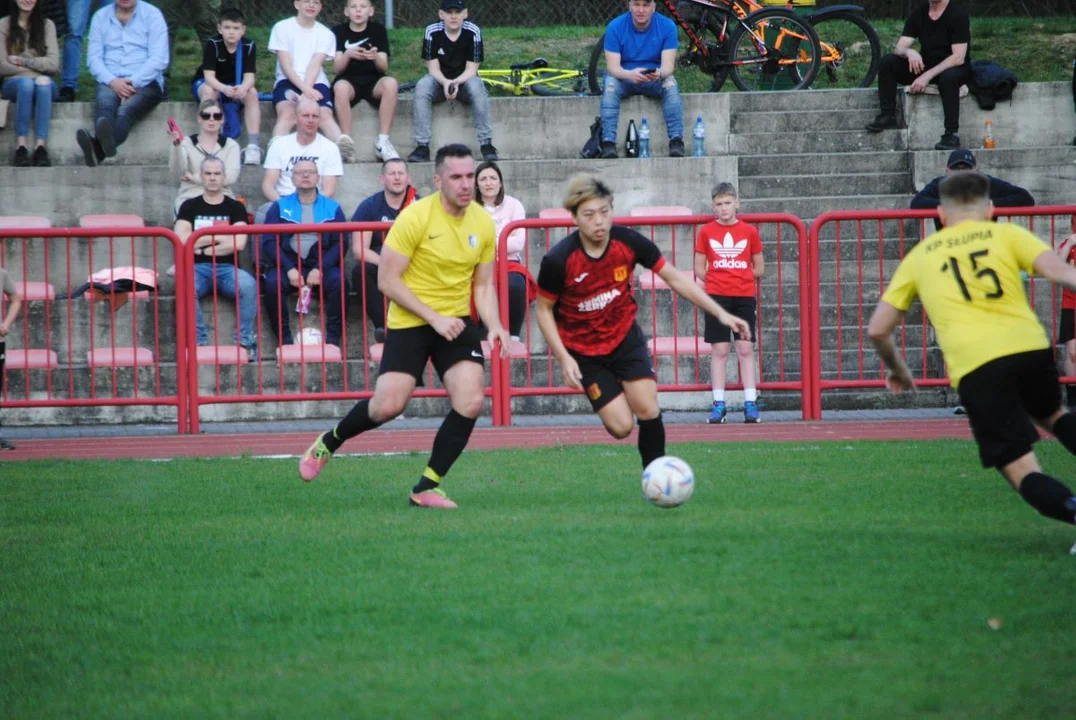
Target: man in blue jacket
[
  {"x": 303, "y": 259},
  {"x": 1002, "y": 194}
]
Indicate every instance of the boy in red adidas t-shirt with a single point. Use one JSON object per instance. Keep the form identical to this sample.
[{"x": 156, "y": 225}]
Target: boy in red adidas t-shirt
[
  {"x": 1066, "y": 327},
  {"x": 728, "y": 254}
]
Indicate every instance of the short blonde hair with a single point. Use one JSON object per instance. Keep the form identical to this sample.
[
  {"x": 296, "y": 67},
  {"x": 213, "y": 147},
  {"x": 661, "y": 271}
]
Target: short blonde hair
[{"x": 585, "y": 187}]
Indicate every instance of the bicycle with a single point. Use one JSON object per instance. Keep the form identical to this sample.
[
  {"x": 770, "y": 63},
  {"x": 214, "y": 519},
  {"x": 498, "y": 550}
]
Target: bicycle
[
  {"x": 767, "y": 49},
  {"x": 849, "y": 53},
  {"x": 530, "y": 78}
]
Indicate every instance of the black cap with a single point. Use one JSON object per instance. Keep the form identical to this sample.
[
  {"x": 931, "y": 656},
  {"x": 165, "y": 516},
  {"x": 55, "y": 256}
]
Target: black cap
[
  {"x": 960, "y": 157},
  {"x": 452, "y": 4}
]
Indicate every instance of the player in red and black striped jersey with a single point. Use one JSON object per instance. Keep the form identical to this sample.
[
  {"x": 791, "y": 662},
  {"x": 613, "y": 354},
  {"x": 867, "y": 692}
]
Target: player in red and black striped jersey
[
  {"x": 586, "y": 311},
  {"x": 1066, "y": 326}
]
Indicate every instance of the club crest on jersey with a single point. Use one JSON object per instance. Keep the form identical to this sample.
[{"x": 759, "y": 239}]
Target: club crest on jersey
[
  {"x": 620, "y": 273},
  {"x": 593, "y": 391},
  {"x": 472, "y": 240},
  {"x": 728, "y": 250}
]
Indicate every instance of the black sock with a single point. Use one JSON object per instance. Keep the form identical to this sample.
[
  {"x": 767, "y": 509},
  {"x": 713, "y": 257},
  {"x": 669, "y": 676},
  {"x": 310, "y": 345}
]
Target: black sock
[
  {"x": 651, "y": 439},
  {"x": 1070, "y": 395},
  {"x": 1065, "y": 431},
  {"x": 1049, "y": 496},
  {"x": 449, "y": 442},
  {"x": 355, "y": 422}
]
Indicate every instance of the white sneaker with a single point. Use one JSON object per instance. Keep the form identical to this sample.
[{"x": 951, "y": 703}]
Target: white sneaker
[
  {"x": 252, "y": 155},
  {"x": 347, "y": 148},
  {"x": 385, "y": 151}
]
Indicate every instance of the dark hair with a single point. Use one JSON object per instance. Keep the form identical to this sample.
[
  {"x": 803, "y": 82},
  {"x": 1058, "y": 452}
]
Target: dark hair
[
  {"x": 489, "y": 165},
  {"x": 233, "y": 14},
  {"x": 19, "y": 40},
  {"x": 456, "y": 150},
  {"x": 723, "y": 188},
  {"x": 966, "y": 187}
]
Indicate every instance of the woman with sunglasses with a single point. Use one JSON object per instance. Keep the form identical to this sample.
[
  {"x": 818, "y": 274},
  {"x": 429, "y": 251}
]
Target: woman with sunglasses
[{"x": 189, "y": 152}]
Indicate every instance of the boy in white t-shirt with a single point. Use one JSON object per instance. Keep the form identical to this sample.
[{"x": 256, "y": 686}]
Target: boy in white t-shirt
[{"x": 302, "y": 45}]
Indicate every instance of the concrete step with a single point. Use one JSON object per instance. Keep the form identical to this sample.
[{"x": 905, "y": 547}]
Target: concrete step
[
  {"x": 832, "y": 100},
  {"x": 783, "y": 186},
  {"x": 796, "y": 120},
  {"x": 825, "y": 141},
  {"x": 839, "y": 163},
  {"x": 811, "y": 207}
]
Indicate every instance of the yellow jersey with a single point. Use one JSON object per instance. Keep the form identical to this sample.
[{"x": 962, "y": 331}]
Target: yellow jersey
[
  {"x": 968, "y": 279},
  {"x": 444, "y": 251}
]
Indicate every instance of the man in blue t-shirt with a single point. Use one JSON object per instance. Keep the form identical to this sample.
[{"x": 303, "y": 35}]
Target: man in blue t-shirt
[
  {"x": 383, "y": 206},
  {"x": 640, "y": 56}
]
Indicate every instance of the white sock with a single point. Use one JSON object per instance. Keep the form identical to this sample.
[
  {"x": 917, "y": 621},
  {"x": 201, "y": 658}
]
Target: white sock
[
  {"x": 750, "y": 394},
  {"x": 719, "y": 395},
  {"x": 382, "y": 138}
]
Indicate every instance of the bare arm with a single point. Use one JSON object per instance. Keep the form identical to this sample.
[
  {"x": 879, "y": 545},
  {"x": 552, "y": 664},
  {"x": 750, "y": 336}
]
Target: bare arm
[
  {"x": 14, "y": 305},
  {"x": 700, "y": 268},
  {"x": 433, "y": 67},
  {"x": 227, "y": 244},
  {"x": 360, "y": 247},
  {"x": 691, "y": 292},
  {"x": 183, "y": 230},
  {"x": 286, "y": 67},
  {"x": 548, "y": 325},
  {"x": 758, "y": 265},
  {"x": 956, "y": 59},
  {"x": 269, "y": 184},
  {"x": 615, "y": 69},
  {"x": 1056, "y": 270},
  {"x": 668, "y": 64},
  {"x": 1065, "y": 246},
  {"x": 340, "y": 61},
  {"x": 469, "y": 71},
  {"x": 883, "y": 321},
  {"x": 210, "y": 77},
  {"x": 328, "y": 185},
  {"x": 485, "y": 300}
]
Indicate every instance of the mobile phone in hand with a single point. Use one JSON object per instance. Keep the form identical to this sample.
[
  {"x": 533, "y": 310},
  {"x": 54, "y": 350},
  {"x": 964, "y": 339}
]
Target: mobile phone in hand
[{"x": 173, "y": 127}]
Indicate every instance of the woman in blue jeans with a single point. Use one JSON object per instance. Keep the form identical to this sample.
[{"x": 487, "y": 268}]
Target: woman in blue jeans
[{"x": 28, "y": 55}]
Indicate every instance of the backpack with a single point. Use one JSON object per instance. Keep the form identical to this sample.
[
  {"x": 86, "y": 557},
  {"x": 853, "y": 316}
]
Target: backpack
[
  {"x": 990, "y": 83},
  {"x": 593, "y": 146}
]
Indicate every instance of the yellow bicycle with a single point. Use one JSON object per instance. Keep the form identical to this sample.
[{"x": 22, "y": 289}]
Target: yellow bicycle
[{"x": 530, "y": 78}]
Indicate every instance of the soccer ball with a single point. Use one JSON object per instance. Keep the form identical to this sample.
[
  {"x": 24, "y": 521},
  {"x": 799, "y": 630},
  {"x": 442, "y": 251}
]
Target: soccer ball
[{"x": 668, "y": 482}]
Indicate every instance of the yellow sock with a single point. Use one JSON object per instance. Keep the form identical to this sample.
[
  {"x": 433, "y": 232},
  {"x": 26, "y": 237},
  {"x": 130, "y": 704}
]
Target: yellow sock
[{"x": 430, "y": 475}]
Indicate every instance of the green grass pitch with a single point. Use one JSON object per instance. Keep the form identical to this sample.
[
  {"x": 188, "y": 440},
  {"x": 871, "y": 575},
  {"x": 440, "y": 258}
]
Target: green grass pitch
[{"x": 834, "y": 580}]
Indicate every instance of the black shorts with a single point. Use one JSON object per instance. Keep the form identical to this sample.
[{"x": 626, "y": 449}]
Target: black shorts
[
  {"x": 363, "y": 87},
  {"x": 602, "y": 374},
  {"x": 1002, "y": 396},
  {"x": 1066, "y": 326},
  {"x": 741, "y": 307},
  {"x": 409, "y": 349}
]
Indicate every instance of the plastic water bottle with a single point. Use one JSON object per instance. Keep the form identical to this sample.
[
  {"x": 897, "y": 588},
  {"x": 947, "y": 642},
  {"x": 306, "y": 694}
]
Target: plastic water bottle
[
  {"x": 988, "y": 134},
  {"x": 700, "y": 138},
  {"x": 644, "y": 139},
  {"x": 631, "y": 146}
]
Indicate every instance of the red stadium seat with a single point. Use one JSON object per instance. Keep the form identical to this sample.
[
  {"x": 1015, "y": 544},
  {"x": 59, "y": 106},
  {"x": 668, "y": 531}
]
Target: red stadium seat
[
  {"x": 684, "y": 345},
  {"x": 649, "y": 280},
  {"x": 555, "y": 214},
  {"x": 110, "y": 221},
  {"x": 122, "y": 357},
  {"x": 35, "y": 290},
  {"x": 222, "y": 355},
  {"x": 24, "y": 222},
  {"x": 308, "y": 354},
  {"x": 659, "y": 210},
  {"x": 31, "y": 359}
]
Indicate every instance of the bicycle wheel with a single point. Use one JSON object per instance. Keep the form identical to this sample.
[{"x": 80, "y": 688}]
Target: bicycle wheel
[
  {"x": 851, "y": 51},
  {"x": 554, "y": 83},
  {"x": 596, "y": 68},
  {"x": 774, "y": 50}
]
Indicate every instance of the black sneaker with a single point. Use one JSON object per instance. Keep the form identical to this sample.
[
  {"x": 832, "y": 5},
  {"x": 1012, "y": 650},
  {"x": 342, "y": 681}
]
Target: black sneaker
[
  {"x": 104, "y": 137},
  {"x": 608, "y": 151},
  {"x": 5, "y": 445},
  {"x": 67, "y": 94},
  {"x": 88, "y": 147},
  {"x": 489, "y": 153},
  {"x": 41, "y": 157},
  {"x": 949, "y": 141},
  {"x": 676, "y": 147},
  {"x": 883, "y": 122},
  {"x": 421, "y": 153},
  {"x": 22, "y": 157}
]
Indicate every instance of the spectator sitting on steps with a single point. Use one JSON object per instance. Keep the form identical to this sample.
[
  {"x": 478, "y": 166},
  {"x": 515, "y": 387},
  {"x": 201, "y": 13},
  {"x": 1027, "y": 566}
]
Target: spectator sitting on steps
[
  {"x": 28, "y": 55},
  {"x": 187, "y": 153},
  {"x": 640, "y": 56},
  {"x": 944, "y": 59},
  {"x": 1002, "y": 194}
]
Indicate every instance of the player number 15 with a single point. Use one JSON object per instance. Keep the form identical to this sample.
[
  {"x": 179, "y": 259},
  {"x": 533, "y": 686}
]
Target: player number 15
[{"x": 983, "y": 273}]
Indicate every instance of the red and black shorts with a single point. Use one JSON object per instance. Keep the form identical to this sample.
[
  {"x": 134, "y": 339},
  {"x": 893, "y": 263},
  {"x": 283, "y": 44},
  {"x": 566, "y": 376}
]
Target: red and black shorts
[
  {"x": 407, "y": 350},
  {"x": 603, "y": 374},
  {"x": 1001, "y": 398}
]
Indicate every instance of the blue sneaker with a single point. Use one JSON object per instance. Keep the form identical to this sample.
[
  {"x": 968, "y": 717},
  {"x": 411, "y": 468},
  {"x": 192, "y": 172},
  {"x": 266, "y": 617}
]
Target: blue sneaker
[
  {"x": 750, "y": 412},
  {"x": 717, "y": 413}
]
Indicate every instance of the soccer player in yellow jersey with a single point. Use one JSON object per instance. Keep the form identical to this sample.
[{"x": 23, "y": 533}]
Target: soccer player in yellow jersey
[
  {"x": 437, "y": 250},
  {"x": 1000, "y": 361}
]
